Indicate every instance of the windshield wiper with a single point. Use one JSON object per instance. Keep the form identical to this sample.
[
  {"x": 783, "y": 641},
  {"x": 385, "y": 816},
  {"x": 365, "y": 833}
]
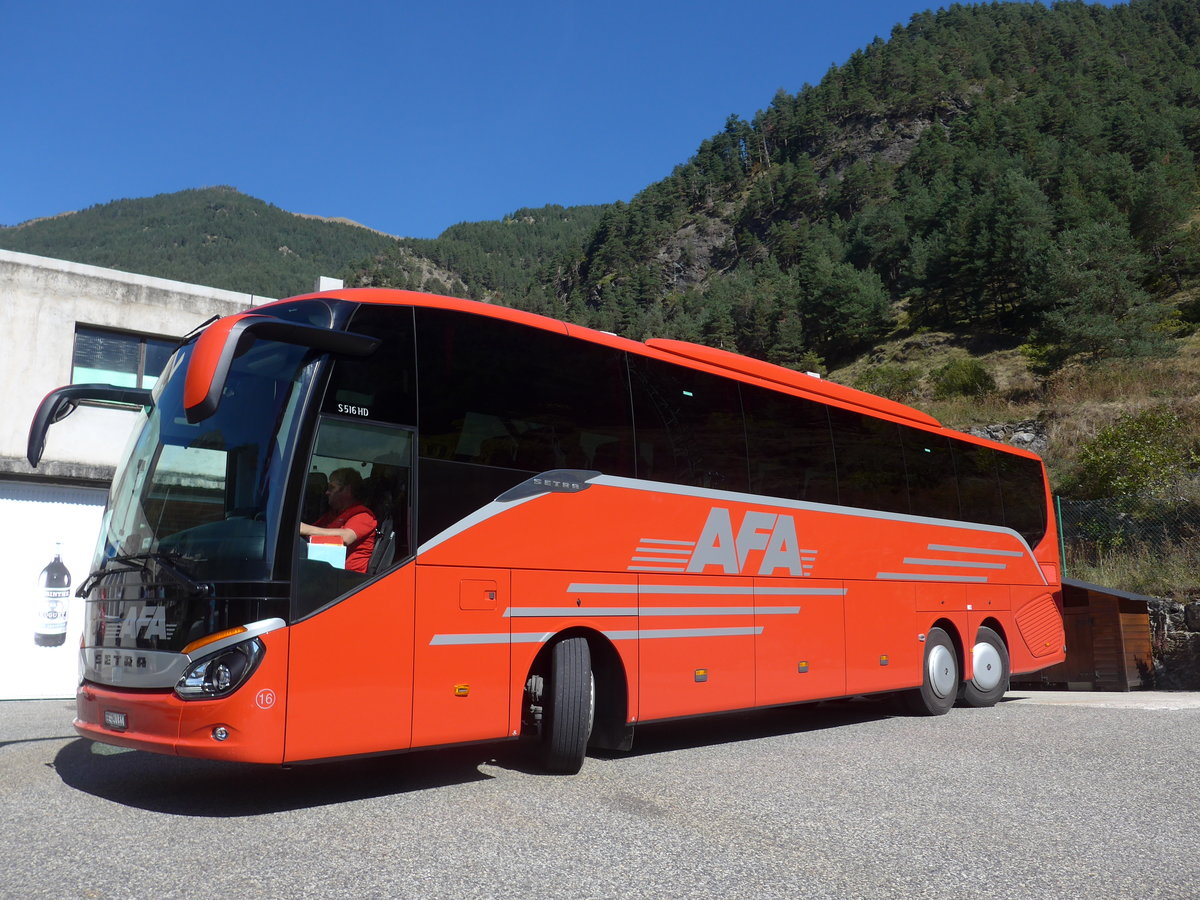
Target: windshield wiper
[{"x": 139, "y": 562}]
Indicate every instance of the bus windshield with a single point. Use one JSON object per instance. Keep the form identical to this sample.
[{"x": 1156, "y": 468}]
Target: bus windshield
[{"x": 205, "y": 497}]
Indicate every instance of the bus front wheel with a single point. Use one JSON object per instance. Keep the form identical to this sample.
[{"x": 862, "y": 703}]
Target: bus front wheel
[
  {"x": 990, "y": 671},
  {"x": 569, "y": 707},
  {"x": 939, "y": 680}
]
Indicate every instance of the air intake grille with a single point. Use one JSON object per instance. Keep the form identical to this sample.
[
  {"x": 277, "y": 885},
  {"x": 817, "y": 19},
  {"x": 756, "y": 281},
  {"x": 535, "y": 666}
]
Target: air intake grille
[{"x": 1041, "y": 626}]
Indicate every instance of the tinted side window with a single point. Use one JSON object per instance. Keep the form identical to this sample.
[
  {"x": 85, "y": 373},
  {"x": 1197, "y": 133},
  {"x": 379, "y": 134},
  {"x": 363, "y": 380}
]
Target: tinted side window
[
  {"x": 375, "y": 462},
  {"x": 382, "y": 387},
  {"x": 790, "y": 448},
  {"x": 932, "y": 487},
  {"x": 978, "y": 483},
  {"x": 1024, "y": 494},
  {"x": 689, "y": 426},
  {"x": 501, "y": 401},
  {"x": 870, "y": 464}
]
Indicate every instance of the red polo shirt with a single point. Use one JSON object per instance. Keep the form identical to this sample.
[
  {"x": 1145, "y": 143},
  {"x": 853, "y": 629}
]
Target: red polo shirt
[{"x": 362, "y": 522}]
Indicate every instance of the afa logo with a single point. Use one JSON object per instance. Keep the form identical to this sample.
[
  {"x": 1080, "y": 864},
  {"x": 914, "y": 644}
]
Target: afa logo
[
  {"x": 144, "y": 621},
  {"x": 729, "y": 551}
]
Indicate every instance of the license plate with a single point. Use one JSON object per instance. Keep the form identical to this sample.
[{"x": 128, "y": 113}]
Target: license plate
[{"x": 115, "y": 720}]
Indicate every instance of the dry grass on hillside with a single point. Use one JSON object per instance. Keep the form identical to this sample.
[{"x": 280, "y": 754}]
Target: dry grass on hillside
[
  {"x": 1080, "y": 401},
  {"x": 1074, "y": 404},
  {"x": 1171, "y": 571}
]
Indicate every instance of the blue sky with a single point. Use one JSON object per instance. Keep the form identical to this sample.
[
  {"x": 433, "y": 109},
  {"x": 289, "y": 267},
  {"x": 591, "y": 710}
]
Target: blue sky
[{"x": 404, "y": 117}]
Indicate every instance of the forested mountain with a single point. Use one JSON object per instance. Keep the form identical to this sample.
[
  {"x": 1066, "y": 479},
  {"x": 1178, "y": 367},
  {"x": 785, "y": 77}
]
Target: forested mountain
[
  {"x": 1016, "y": 170},
  {"x": 1023, "y": 173},
  {"x": 215, "y": 236},
  {"x": 223, "y": 238},
  {"x": 498, "y": 261}
]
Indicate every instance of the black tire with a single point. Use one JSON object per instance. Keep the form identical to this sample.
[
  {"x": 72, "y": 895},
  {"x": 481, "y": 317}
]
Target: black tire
[
  {"x": 569, "y": 707},
  {"x": 990, "y": 671},
  {"x": 939, "y": 678}
]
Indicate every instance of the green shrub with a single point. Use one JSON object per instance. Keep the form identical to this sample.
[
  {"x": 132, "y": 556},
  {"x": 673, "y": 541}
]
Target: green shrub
[
  {"x": 963, "y": 376},
  {"x": 1150, "y": 453}
]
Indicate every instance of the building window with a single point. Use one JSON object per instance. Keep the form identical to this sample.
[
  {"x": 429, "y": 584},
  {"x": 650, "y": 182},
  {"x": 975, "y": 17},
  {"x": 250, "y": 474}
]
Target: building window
[{"x": 117, "y": 357}]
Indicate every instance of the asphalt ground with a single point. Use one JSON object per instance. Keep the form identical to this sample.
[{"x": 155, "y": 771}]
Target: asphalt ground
[{"x": 1044, "y": 796}]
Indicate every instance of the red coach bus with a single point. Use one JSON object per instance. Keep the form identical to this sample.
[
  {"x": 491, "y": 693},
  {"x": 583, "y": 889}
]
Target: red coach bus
[{"x": 573, "y": 533}]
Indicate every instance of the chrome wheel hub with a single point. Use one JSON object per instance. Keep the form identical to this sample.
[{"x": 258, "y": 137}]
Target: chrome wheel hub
[
  {"x": 943, "y": 671},
  {"x": 986, "y": 666}
]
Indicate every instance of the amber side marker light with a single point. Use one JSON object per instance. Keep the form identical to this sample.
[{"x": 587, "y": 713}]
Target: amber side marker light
[{"x": 213, "y": 638}]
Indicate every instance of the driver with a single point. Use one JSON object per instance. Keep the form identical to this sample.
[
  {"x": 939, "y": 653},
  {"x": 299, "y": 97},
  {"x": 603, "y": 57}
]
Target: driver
[{"x": 346, "y": 518}]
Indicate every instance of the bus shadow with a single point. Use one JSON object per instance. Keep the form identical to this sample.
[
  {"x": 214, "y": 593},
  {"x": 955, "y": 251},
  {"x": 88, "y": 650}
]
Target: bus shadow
[
  {"x": 753, "y": 725},
  {"x": 210, "y": 788},
  {"x": 712, "y": 730}
]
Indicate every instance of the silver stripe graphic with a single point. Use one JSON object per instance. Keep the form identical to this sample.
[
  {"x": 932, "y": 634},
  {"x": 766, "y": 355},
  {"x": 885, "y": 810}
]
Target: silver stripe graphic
[
  {"x": 495, "y": 508},
  {"x": 923, "y": 576},
  {"x": 953, "y": 563},
  {"x": 719, "y": 610},
  {"x": 534, "y": 637},
  {"x": 704, "y": 589},
  {"x": 982, "y": 551},
  {"x": 662, "y": 550},
  {"x": 659, "y": 559},
  {"x": 654, "y": 634},
  {"x": 527, "y": 612},
  {"x": 655, "y": 569},
  {"x": 673, "y": 543},
  {"x": 653, "y": 611},
  {"x": 539, "y": 637}
]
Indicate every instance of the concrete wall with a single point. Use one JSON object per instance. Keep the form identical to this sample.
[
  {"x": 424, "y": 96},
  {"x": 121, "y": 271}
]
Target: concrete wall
[
  {"x": 43, "y": 300},
  {"x": 56, "y": 508}
]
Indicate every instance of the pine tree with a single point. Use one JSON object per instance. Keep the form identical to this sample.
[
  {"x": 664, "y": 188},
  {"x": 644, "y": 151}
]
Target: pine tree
[{"x": 1096, "y": 305}]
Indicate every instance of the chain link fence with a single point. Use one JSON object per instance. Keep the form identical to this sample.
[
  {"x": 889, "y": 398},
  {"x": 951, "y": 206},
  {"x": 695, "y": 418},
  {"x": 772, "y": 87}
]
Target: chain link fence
[{"x": 1148, "y": 545}]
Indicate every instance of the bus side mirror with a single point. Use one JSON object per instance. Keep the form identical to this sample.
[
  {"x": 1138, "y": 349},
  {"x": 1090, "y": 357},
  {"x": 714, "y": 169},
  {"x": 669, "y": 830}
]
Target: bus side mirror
[
  {"x": 221, "y": 342},
  {"x": 61, "y": 402}
]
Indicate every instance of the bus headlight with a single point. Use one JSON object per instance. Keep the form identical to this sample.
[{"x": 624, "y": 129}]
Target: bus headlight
[{"x": 221, "y": 673}]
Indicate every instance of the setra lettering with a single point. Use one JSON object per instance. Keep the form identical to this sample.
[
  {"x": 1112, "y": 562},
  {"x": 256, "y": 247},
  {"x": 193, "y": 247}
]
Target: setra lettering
[{"x": 118, "y": 660}]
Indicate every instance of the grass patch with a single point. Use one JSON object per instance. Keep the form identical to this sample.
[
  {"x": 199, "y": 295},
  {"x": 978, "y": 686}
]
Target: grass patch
[
  {"x": 1128, "y": 384},
  {"x": 1170, "y": 571},
  {"x": 990, "y": 409}
]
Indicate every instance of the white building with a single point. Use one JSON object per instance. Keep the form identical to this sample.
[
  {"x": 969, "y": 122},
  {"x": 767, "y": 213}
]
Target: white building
[{"x": 71, "y": 323}]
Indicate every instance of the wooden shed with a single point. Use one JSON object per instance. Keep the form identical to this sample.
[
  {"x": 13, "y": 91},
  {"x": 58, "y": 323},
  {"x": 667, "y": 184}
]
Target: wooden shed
[{"x": 1108, "y": 641}]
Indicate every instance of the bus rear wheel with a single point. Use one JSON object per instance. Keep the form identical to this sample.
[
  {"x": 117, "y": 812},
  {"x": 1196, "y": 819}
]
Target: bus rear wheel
[
  {"x": 569, "y": 707},
  {"x": 990, "y": 671},
  {"x": 939, "y": 680}
]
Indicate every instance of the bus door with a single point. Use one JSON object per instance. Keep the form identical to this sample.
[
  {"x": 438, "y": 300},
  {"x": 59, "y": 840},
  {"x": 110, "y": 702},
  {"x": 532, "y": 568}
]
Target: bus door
[{"x": 350, "y": 670}]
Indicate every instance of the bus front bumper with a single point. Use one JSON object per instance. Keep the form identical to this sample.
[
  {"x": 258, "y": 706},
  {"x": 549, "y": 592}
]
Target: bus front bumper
[{"x": 246, "y": 726}]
